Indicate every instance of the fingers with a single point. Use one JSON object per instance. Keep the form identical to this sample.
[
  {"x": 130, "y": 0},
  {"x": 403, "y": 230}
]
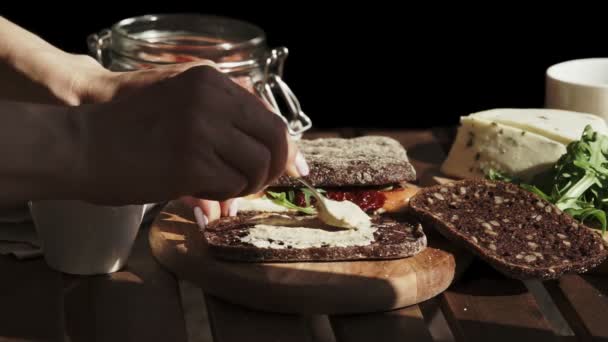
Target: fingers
[
  {"x": 269, "y": 130},
  {"x": 211, "y": 209},
  {"x": 153, "y": 75},
  {"x": 246, "y": 155},
  {"x": 186, "y": 66},
  {"x": 260, "y": 164},
  {"x": 195, "y": 203},
  {"x": 205, "y": 211},
  {"x": 118, "y": 84},
  {"x": 201, "y": 219},
  {"x": 296, "y": 163},
  {"x": 213, "y": 176},
  {"x": 229, "y": 207},
  {"x": 260, "y": 122}
]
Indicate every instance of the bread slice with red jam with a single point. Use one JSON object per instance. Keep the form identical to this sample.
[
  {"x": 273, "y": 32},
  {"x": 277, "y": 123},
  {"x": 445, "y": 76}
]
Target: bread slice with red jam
[{"x": 369, "y": 171}]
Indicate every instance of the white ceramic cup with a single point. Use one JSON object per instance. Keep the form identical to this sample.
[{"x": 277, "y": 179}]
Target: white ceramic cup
[
  {"x": 579, "y": 85},
  {"x": 85, "y": 239}
]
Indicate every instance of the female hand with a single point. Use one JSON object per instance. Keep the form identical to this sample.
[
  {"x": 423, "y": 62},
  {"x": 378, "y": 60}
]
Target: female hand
[{"x": 197, "y": 133}]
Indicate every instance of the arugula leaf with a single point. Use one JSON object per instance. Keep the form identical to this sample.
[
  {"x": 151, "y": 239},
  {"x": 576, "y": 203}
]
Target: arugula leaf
[
  {"x": 281, "y": 198},
  {"x": 578, "y": 182},
  {"x": 583, "y": 214},
  {"x": 495, "y": 175},
  {"x": 583, "y": 191},
  {"x": 533, "y": 189},
  {"x": 308, "y": 194}
]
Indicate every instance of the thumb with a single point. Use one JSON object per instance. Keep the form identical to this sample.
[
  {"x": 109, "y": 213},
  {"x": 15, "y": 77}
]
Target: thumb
[{"x": 296, "y": 163}]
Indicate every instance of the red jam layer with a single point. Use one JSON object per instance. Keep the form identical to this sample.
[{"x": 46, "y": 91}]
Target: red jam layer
[{"x": 367, "y": 200}]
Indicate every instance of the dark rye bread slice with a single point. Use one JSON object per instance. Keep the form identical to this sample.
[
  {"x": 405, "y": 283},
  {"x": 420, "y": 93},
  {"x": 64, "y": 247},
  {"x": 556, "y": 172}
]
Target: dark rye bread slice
[
  {"x": 364, "y": 161},
  {"x": 394, "y": 239},
  {"x": 514, "y": 230}
]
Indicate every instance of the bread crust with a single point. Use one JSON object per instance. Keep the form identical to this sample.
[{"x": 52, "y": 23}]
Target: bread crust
[
  {"x": 503, "y": 227},
  {"x": 395, "y": 238},
  {"x": 363, "y": 161}
]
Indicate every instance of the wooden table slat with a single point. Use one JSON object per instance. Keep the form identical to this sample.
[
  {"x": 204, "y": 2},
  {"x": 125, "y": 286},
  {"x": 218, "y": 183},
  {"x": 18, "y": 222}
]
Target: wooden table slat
[
  {"x": 139, "y": 303},
  {"x": 485, "y": 306},
  {"x": 234, "y": 323},
  {"x": 31, "y": 301},
  {"x": 583, "y": 300},
  {"x": 504, "y": 310},
  {"x": 142, "y": 302},
  {"x": 397, "y": 325}
]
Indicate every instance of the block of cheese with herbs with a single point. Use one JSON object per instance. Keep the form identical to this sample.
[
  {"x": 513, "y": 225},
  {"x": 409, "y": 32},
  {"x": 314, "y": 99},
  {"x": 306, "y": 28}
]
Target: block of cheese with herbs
[{"x": 518, "y": 142}]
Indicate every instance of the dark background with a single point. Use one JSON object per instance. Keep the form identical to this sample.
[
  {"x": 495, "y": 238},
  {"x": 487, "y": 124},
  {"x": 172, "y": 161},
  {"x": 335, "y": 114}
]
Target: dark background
[{"x": 381, "y": 65}]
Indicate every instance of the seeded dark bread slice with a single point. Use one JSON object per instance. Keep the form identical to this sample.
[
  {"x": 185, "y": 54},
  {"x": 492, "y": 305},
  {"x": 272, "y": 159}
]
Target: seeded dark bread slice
[
  {"x": 514, "y": 230},
  {"x": 394, "y": 239},
  {"x": 364, "y": 161}
]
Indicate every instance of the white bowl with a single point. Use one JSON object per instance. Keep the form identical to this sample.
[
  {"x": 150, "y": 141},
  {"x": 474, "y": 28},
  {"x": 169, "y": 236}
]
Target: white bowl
[
  {"x": 579, "y": 85},
  {"x": 85, "y": 239}
]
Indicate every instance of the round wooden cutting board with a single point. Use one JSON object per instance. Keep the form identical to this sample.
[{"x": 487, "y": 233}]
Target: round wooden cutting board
[{"x": 312, "y": 287}]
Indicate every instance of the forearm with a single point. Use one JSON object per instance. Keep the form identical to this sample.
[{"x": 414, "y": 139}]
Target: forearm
[
  {"x": 39, "y": 152},
  {"x": 33, "y": 70},
  {"x": 15, "y": 42},
  {"x": 22, "y": 74}
]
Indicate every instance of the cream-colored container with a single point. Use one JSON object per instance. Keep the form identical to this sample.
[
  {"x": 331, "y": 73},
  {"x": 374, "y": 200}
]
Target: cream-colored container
[
  {"x": 85, "y": 239},
  {"x": 579, "y": 85}
]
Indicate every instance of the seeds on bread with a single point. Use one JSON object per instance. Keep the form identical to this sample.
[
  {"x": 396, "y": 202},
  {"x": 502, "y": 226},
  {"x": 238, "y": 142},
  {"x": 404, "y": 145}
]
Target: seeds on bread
[
  {"x": 514, "y": 230},
  {"x": 363, "y": 161}
]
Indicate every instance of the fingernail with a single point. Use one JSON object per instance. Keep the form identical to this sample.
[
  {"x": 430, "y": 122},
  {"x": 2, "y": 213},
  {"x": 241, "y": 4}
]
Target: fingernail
[
  {"x": 301, "y": 164},
  {"x": 201, "y": 219},
  {"x": 234, "y": 208}
]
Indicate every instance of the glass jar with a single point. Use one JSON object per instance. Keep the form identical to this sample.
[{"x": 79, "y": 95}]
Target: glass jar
[{"x": 238, "y": 48}]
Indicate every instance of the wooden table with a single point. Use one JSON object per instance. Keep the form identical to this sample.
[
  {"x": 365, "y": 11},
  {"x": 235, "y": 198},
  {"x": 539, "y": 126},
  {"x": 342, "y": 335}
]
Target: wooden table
[{"x": 144, "y": 302}]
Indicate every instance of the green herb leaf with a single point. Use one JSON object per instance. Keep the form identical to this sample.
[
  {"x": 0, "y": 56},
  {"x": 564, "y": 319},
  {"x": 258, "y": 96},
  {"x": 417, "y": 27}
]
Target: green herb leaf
[
  {"x": 307, "y": 193},
  {"x": 533, "y": 189},
  {"x": 495, "y": 175},
  {"x": 281, "y": 199},
  {"x": 584, "y": 214},
  {"x": 578, "y": 182}
]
